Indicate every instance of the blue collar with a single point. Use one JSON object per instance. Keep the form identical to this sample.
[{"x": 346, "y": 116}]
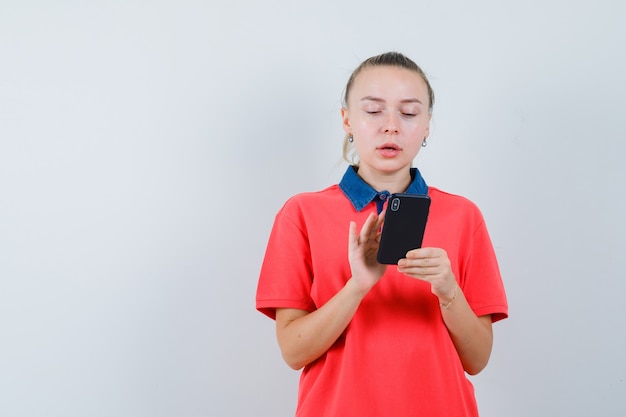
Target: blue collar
[{"x": 361, "y": 193}]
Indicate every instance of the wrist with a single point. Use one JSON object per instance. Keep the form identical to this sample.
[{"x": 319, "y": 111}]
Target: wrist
[
  {"x": 357, "y": 288},
  {"x": 446, "y": 303}
]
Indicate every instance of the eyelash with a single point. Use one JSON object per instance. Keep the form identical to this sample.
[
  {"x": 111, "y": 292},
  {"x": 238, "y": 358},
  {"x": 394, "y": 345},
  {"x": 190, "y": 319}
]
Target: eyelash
[{"x": 403, "y": 114}]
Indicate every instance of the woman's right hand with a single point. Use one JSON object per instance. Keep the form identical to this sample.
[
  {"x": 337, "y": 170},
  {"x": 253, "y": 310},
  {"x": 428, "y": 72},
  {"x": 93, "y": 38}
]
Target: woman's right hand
[
  {"x": 302, "y": 336},
  {"x": 362, "y": 251}
]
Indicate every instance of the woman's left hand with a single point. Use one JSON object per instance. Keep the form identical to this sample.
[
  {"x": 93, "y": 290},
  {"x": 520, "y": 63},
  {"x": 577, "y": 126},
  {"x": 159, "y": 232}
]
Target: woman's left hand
[
  {"x": 433, "y": 266},
  {"x": 471, "y": 335}
]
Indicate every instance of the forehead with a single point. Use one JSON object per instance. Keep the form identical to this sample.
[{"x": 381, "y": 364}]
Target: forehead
[{"x": 389, "y": 83}]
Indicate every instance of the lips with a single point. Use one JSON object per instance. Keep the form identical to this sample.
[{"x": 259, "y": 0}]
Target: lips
[{"x": 389, "y": 150}]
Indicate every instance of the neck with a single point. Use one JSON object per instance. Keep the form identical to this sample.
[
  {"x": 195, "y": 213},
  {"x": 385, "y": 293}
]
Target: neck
[{"x": 394, "y": 182}]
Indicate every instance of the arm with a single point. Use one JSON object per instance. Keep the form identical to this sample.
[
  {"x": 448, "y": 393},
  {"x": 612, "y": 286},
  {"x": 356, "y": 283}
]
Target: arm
[
  {"x": 472, "y": 335},
  {"x": 302, "y": 336}
]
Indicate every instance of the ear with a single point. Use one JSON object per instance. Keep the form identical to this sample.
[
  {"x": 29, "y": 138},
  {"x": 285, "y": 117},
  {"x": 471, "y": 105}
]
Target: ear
[
  {"x": 427, "y": 131},
  {"x": 346, "y": 121}
]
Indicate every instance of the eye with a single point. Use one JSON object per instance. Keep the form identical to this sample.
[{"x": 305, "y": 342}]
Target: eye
[
  {"x": 372, "y": 108},
  {"x": 409, "y": 111}
]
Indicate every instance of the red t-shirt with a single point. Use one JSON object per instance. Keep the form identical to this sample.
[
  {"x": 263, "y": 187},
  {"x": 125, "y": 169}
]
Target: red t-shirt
[{"x": 396, "y": 357}]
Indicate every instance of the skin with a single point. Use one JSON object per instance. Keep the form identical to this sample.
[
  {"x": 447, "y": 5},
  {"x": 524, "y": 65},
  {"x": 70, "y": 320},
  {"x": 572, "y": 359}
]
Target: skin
[{"x": 387, "y": 114}]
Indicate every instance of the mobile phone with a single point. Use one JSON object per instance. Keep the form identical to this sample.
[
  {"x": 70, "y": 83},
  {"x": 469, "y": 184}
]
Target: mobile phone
[{"x": 403, "y": 229}]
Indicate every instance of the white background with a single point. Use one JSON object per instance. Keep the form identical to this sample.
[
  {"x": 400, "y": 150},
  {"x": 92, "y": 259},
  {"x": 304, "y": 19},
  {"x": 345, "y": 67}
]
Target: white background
[{"x": 146, "y": 146}]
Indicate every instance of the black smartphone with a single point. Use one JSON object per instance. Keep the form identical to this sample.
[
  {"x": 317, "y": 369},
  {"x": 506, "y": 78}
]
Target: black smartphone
[{"x": 403, "y": 229}]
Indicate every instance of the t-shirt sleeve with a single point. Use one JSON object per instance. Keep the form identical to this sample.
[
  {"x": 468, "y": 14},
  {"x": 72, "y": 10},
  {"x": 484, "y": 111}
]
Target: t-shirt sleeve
[
  {"x": 286, "y": 278},
  {"x": 482, "y": 282}
]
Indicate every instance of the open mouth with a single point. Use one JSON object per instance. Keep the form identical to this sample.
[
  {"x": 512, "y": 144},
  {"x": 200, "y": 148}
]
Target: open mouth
[
  {"x": 389, "y": 150},
  {"x": 389, "y": 147}
]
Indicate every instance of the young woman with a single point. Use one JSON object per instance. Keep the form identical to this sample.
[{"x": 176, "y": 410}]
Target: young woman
[{"x": 377, "y": 340}]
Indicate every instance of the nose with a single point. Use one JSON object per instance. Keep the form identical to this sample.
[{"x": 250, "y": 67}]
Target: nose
[{"x": 391, "y": 124}]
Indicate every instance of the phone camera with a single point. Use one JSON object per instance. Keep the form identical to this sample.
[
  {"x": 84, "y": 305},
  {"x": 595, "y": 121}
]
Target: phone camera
[{"x": 395, "y": 204}]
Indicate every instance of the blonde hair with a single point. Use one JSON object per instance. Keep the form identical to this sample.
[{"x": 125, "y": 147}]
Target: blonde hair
[{"x": 388, "y": 59}]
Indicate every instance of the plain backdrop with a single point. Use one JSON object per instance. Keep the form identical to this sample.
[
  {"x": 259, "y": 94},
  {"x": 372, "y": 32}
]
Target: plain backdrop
[{"x": 145, "y": 147}]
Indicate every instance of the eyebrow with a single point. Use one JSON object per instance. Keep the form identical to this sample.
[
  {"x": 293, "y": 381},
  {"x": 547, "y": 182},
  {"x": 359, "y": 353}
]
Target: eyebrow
[{"x": 380, "y": 100}]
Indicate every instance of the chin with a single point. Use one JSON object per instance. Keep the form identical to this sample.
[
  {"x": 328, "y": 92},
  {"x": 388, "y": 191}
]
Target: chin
[{"x": 393, "y": 166}]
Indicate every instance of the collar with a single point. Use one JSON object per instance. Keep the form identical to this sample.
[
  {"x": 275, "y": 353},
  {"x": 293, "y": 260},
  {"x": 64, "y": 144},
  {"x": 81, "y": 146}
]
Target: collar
[{"x": 361, "y": 193}]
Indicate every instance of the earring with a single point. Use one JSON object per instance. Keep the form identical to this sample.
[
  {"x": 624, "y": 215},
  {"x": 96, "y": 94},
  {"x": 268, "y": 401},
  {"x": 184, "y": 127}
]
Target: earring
[
  {"x": 350, "y": 138},
  {"x": 424, "y": 143}
]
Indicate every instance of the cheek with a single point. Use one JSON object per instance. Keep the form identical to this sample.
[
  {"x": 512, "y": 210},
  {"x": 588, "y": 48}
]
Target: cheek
[
  {"x": 365, "y": 125},
  {"x": 416, "y": 127}
]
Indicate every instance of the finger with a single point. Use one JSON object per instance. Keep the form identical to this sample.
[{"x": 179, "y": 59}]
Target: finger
[
  {"x": 417, "y": 264},
  {"x": 423, "y": 274},
  {"x": 421, "y": 253},
  {"x": 430, "y": 265},
  {"x": 368, "y": 231},
  {"x": 381, "y": 220},
  {"x": 352, "y": 238}
]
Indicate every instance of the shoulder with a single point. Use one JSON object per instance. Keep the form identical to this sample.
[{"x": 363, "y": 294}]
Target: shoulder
[
  {"x": 315, "y": 203},
  {"x": 305, "y": 199},
  {"x": 453, "y": 206},
  {"x": 449, "y": 199},
  {"x": 307, "y": 214}
]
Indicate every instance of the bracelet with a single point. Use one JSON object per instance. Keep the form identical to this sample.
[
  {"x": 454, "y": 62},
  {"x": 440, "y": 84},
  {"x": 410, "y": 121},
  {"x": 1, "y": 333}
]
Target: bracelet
[{"x": 445, "y": 306}]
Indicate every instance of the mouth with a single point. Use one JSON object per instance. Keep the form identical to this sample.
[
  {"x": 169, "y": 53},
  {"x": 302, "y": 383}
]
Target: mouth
[
  {"x": 389, "y": 150},
  {"x": 389, "y": 147}
]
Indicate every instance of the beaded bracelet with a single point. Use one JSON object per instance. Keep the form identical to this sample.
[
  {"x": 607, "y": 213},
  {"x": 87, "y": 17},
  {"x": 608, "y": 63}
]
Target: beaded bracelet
[{"x": 445, "y": 306}]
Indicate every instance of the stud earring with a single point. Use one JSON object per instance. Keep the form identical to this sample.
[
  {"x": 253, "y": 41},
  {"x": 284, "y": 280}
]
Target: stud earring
[
  {"x": 350, "y": 138},
  {"x": 424, "y": 143}
]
